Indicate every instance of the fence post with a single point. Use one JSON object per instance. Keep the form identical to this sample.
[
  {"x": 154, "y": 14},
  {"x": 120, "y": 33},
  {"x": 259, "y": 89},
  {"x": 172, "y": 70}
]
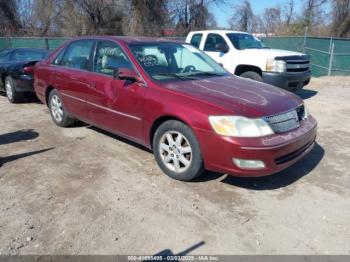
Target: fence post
[
  {"x": 47, "y": 43},
  {"x": 330, "y": 45},
  {"x": 8, "y": 42},
  {"x": 305, "y": 37},
  {"x": 331, "y": 59}
]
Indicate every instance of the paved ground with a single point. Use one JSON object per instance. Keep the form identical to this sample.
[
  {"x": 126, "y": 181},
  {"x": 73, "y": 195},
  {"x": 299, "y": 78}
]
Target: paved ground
[{"x": 83, "y": 191}]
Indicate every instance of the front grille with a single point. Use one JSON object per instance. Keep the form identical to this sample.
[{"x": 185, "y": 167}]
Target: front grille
[
  {"x": 286, "y": 121},
  {"x": 296, "y": 63}
]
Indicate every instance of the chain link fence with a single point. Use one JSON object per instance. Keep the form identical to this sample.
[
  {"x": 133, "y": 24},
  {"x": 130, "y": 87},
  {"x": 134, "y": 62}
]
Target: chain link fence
[
  {"x": 329, "y": 56},
  {"x": 32, "y": 42}
]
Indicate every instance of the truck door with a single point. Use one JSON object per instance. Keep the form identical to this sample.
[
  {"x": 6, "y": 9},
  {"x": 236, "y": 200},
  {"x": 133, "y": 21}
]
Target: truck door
[{"x": 216, "y": 47}]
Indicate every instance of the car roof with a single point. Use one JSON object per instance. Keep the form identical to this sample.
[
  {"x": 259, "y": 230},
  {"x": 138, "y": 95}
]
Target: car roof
[
  {"x": 219, "y": 31},
  {"x": 130, "y": 39}
]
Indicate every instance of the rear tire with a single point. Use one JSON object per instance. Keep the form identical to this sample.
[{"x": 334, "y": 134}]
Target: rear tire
[
  {"x": 12, "y": 94},
  {"x": 252, "y": 75},
  {"x": 177, "y": 151},
  {"x": 58, "y": 112}
]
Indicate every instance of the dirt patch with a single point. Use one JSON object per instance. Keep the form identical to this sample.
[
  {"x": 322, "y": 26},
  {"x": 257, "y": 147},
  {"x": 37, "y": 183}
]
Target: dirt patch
[{"x": 82, "y": 191}]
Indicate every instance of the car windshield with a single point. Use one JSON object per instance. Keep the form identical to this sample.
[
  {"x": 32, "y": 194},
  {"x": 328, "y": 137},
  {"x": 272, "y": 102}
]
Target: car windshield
[
  {"x": 245, "y": 41},
  {"x": 175, "y": 61}
]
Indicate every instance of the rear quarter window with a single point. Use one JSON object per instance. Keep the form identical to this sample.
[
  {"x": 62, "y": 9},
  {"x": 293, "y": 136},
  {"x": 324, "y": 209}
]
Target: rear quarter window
[{"x": 196, "y": 40}]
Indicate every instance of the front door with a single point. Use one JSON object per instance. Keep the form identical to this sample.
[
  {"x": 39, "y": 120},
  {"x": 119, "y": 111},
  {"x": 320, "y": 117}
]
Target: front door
[
  {"x": 211, "y": 48},
  {"x": 114, "y": 104}
]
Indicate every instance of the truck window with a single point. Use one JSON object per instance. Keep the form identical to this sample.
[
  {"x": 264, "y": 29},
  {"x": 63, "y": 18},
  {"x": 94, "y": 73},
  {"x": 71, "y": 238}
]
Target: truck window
[
  {"x": 196, "y": 40},
  {"x": 245, "y": 41},
  {"x": 212, "y": 41}
]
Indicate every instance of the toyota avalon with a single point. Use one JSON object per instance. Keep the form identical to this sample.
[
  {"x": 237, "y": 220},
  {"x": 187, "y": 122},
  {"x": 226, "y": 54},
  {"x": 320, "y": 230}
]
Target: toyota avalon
[{"x": 174, "y": 99}]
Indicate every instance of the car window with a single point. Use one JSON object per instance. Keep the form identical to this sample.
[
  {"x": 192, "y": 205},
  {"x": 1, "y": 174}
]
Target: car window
[
  {"x": 170, "y": 61},
  {"x": 196, "y": 40},
  {"x": 110, "y": 56},
  {"x": 212, "y": 41},
  {"x": 58, "y": 59},
  {"x": 28, "y": 55},
  {"x": 4, "y": 55},
  {"x": 78, "y": 54},
  {"x": 186, "y": 58}
]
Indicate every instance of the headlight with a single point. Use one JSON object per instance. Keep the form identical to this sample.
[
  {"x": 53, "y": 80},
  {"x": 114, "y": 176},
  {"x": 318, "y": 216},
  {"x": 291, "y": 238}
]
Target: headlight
[
  {"x": 273, "y": 65},
  {"x": 239, "y": 126}
]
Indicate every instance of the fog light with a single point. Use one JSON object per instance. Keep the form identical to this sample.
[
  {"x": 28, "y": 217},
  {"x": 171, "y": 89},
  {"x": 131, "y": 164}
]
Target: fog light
[{"x": 248, "y": 163}]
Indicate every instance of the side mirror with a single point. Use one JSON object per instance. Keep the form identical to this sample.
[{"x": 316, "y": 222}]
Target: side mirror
[
  {"x": 221, "y": 47},
  {"x": 126, "y": 74}
]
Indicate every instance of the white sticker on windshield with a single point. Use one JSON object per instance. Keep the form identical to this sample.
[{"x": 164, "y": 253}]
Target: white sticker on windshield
[{"x": 191, "y": 48}]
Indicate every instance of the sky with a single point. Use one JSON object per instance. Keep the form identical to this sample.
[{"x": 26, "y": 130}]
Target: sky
[{"x": 223, "y": 12}]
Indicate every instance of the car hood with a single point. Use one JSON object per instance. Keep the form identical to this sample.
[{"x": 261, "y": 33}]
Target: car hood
[
  {"x": 238, "y": 95},
  {"x": 271, "y": 53}
]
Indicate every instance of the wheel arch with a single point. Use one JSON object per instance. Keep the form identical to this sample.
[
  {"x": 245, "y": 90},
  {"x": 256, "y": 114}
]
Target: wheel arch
[
  {"x": 240, "y": 69},
  {"x": 160, "y": 120},
  {"x": 47, "y": 93},
  {"x": 3, "y": 77}
]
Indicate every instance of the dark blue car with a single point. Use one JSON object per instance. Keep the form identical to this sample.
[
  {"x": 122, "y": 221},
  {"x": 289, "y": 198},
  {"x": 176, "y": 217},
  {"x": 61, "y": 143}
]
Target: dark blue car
[{"x": 16, "y": 71}]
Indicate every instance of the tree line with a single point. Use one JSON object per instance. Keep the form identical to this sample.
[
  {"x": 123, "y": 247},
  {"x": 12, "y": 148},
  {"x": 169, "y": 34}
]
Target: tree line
[
  {"x": 168, "y": 17},
  {"x": 321, "y": 18}
]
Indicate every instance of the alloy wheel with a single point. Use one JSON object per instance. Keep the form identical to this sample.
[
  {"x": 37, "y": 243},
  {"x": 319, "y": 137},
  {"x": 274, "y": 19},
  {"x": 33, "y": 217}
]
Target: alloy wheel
[
  {"x": 8, "y": 88},
  {"x": 56, "y": 108},
  {"x": 175, "y": 151}
]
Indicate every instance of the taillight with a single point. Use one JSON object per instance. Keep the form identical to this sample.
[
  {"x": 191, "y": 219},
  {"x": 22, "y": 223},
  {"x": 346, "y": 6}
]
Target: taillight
[{"x": 28, "y": 70}]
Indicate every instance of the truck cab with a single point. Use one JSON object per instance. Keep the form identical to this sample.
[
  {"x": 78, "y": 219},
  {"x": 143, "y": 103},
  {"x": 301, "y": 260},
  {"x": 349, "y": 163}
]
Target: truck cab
[{"x": 246, "y": 56}]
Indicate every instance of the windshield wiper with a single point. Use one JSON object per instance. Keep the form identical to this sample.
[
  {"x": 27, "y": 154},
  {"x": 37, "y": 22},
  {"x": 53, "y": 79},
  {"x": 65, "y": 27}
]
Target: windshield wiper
[
  {"x": 173, "y": 75},
  {"x": 204, "y": 73}
]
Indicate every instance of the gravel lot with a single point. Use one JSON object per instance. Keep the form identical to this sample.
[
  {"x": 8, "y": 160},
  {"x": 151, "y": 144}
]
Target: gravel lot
[{"x": 83, "y": 191}]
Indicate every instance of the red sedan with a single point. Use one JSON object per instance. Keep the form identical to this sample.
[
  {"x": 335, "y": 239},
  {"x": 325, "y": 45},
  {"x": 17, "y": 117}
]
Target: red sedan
[{"x": 175, "y": 100}]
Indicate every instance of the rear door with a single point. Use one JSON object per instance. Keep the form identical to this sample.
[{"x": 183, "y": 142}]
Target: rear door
[
  {"x": 114, "y": 104},
  {"x": 70, "y": 75}
]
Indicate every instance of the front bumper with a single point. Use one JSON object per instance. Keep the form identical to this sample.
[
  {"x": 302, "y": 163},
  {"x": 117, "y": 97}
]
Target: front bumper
[
  {"x": 288, "y": 81},
  {"x": 278, "y": 151}
]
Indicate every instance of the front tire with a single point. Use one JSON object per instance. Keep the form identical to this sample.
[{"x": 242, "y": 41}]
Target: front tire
[
  {"x": 12, "y": 94},
  {"x": 177, "y": 151},
  {"x": 252, "y": 75},
  {"x": 58, "y": 112}
]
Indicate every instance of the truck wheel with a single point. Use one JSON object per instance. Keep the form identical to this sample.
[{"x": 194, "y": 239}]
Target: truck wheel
[
  {"x": 177, "y": 151},
  {"x": 252, "y": 75},
  {"x": 12, "y": 94},
  {"x": 58, "y": 113}
]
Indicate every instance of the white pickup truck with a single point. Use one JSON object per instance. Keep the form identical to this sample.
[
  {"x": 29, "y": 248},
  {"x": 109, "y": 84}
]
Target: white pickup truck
[{"x": 245, "y": 55}]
